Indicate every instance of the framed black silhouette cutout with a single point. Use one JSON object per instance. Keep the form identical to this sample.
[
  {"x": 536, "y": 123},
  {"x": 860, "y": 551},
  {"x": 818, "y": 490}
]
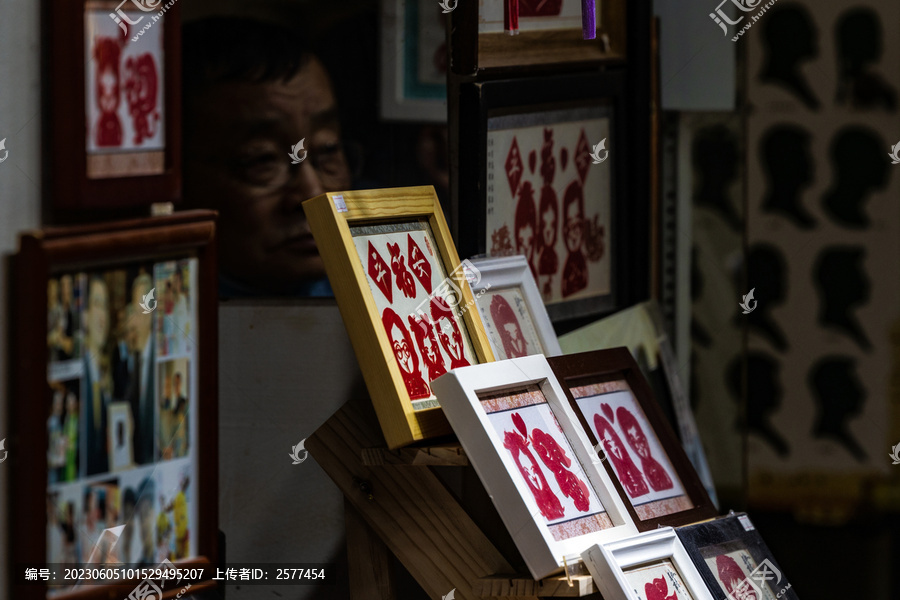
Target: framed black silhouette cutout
[
  {"x": 763, "y": 395},
  {"x": 858, "y": 34},
  {"x": 839, "y": 396},
  {"x": 789, "y": 39},
  {"x": 842, "y": 286},
  {"x": 786, "y": 159},
  {"x": 767, "y": 275},
  {"x": 859, "y": 165}
]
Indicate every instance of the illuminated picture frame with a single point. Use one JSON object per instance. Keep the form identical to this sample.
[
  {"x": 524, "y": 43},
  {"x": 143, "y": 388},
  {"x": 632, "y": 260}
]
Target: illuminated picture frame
[{"x": 406, "y": 305}]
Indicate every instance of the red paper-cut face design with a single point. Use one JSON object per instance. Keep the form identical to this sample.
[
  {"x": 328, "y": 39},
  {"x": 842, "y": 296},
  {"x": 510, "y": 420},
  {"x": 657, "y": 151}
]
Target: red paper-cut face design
[
  {"x": 107, "y": 52},
  {"x": 380, "y": 273},
  {"x": 141, "y": 86},
  {"x": 733, "y": 579},
  {"x": 418, "y": 264},
  {"x": 500, "y": 242},
  {"x": 582, "y": 156},
  {"x": 539, "y": 8},
  {"x": 508, "y": 327},
  {"x": 548, "y": 163},
  {"x": 514, "y": 166},
  {"x": 405, "y": 280},
  {"x": 654, "y": 472},
  {"x": 608, "y": 412},
  {"x": 448, "y": 333},
  {"x": 575, "y": 269},
  {"x": 629, "y": 475},
  {"x": 553, "y": 455},
  {"x": 657, "y": 590},
  {"x": 428, "y": 346},
  {"x": 550, "y": 506},
  {"x": 406, "y": 356},
  {"x": 526, "y": 225}
]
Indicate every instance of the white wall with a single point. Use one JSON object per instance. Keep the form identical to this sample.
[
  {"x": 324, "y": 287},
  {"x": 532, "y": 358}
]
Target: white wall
[{"x": 20, "y": 191}]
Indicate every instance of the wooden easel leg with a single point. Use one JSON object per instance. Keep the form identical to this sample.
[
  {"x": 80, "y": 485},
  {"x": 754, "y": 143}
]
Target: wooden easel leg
[{"x": 371, "y": 576}]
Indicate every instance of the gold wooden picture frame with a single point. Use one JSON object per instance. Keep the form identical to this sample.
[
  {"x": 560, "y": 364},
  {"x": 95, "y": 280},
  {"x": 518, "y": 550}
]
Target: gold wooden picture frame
[{"x": 408, "y": 306}]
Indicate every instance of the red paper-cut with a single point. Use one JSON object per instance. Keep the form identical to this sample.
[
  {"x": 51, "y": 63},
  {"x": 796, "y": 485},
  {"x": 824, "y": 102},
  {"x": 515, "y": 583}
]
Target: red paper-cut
[
  {"x": 575, "y": 273},
  {"x": 553, "y": 455},
  {"x": 405, "y": 281},
  {"x": 593, "y": 239},
  {"x": 629, "y": 475},
  {"x": 734, "y": 579},
  {"x": 532, "y": 160},
  {"x": 427, "y": 342},
  {"x": 141, "y": 86},
  {"x": 526, "y": 224},
  {"x": 548, "y": 218},
  {"x": 507, "y": 325},
  {"x": 380, "y": 273},
  {"x": 406, "y": 356},
  {"x": 582, "y": 156},
  {"x": 448, "y": 333},
  {"x": 107, "y": 52},
  {"x": 418, "y": 264},
  {"x": 608, "y": 411},
  {"x": 514, "y": 167},
  {"x": 658, "y": 590},
  {"x": 654, "y": 472},
  {"x": 539, "y": 8},
  {"x": 501, "y": 245},
  {"x": 564, "y": 157},
  {"x": 550, "y": 506}
]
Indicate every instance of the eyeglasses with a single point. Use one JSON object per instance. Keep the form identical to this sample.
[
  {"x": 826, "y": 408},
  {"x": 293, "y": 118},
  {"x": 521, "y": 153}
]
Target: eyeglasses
[{"x": 337, "y": 165}]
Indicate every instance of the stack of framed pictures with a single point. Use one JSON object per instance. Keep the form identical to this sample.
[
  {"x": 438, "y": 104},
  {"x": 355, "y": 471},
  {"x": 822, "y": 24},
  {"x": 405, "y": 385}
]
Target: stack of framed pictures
[{"x": 121, "y": 413}]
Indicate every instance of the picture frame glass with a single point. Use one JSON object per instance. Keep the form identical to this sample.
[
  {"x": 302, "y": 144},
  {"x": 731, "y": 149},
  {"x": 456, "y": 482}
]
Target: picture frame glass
[
  {"x": 657, "y": 580},
  {"x": 533, "y": 15},
  {"x": 547, "y": 468},
  {"x": 731, "y": 564},
  {"x": 509, "y": 323},
  {"x": 418, "y": 303},
  {"x": 617, "y": 421},
  {"x": 122, "y": 373},
  {"x": 546, "y": 200}
]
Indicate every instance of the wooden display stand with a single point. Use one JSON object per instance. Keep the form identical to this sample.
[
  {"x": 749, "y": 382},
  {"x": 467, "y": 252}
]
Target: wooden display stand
[{"x": 394, "y": 503}]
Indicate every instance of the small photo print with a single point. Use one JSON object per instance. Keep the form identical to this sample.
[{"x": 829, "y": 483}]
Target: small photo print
[
  {"x": 65, "y": 298},
  {"x": 63, "y": 432},
  {"x": 508, "y": 324},
  {"x": 175, "y": 520},
  {"x": 140, "y": 509},
  {"x": 174, "y": 408},
  {"x": 100, "y": 506},
  {"x": 659, "y": 580},
  {"x": 176, "y": 295}
]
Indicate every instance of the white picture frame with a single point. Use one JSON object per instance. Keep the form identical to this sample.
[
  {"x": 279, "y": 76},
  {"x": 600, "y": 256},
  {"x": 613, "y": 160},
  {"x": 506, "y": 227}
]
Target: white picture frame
[
  {"x": 545, "y": 546},
  {"x": 509, "y": 275},
  {"x": 608, "y": 564},
  {"x": 409, "y": 87}
]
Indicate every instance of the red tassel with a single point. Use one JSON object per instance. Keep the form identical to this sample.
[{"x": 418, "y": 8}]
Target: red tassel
[{"x": 511, "y": 16}]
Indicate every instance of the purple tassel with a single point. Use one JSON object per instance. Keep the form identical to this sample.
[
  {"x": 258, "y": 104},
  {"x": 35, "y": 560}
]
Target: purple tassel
[{"x": 588, "y": 19}]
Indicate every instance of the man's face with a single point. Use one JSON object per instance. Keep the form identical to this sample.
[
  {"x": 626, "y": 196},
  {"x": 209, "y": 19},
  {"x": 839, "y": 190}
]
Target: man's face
[
  {"x": 237, "y": 162},
  {"x": 97, "y": 316}
]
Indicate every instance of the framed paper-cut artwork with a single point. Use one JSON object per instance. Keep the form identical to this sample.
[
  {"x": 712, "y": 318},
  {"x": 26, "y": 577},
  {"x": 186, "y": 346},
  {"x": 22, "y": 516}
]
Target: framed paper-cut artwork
[
  {"x": 487, "y": 35},
  {"x": 649, "y": 566},
  {"x": 115, "y": 119},
  {"x": 404, "y": 297},
  {"x": 513, "y": 314},
  {"x": 521, "y": 436},
  {"x": 413, "y": 61},
  {"x": 123, "y": 445},
  {"x": 543, "y": 182},
  {"x": 734, "y": 561},
  {"x": 615, "y": 407}
]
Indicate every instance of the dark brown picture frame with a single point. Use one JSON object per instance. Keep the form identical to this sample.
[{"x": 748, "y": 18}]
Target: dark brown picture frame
[
  {"x": 41, "y": 254},
  {"x": 617, "y": 364},
  {"x": 471, "y": 51},
  {"x": 69, "y": 188}
]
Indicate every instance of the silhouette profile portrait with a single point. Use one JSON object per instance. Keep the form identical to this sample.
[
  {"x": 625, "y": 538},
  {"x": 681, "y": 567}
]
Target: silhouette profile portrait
[
  {"x": 789, "y": 39},
  {"x": 766, "y": 273},
  {"x": 715, "y": 155},
  {"x": 842, "y": 286},
  {"x": 858, "y": 35},
  {"x": 859, "y": 165},
  {"x": 763, "y": 396},
  {"x": 787, "y": 161},
  {"x": 839, "y": 396}
]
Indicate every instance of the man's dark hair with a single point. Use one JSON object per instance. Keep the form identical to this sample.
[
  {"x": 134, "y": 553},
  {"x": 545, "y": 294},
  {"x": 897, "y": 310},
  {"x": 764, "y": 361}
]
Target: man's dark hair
[{"x": 223, "y": 49}]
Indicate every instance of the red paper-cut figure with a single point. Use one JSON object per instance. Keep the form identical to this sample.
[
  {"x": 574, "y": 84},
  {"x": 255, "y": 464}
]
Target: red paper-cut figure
[
  {"x": 507, "y": 324},
  {"x": 418, "y": 264},
  {"x": 380, "y": 273},
  {"x": 658, "y": 589},
  {"x": 448, "y": 333},
  {"x": 734, "y": 579},
  {"x": 539, "y": 8},
  {"x": 106, "y": 53},
  {"x": 654, "y": 472},
  {"x": 593, "y": 239},
  {"x": 514, "y": 166},
  {"x": 500, "y": 242},
  {"x": 141, "y": 86},
  {"x": 608, "y": 412},
  {"x": 526, "y": 223},
  {"x": 428, "y": 346},
  {"x": 405, "y": 280},
  {"x": 555, "y": 458},
  {"x": 582, "y": 157},
  {"x": 575, "y": 273},
  {"x": 406, "y": 356},
  {"x": 548, "y": 215},
  {"x": 629, "y": 475},
  {"x": 550, "y": 506}
]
